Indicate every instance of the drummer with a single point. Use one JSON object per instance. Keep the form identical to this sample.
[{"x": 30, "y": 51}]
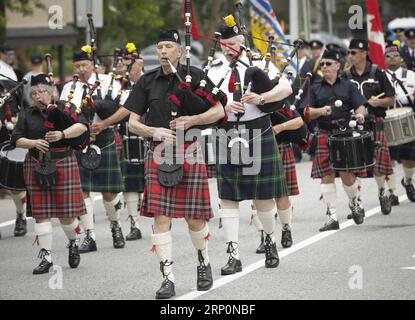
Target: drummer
[
  {"x": 8, "y": 119},
  {"x": 330, "y": 119},
  {"x": 374, "y": 85},
  {"x": 403, "y": 80}
]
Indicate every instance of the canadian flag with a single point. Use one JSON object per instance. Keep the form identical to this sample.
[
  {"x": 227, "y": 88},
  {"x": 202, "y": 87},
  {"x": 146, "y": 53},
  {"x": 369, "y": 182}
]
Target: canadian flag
[{"x": 375, "y": 34}]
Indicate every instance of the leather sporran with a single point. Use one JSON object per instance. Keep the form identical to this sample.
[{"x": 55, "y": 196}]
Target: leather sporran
[
  {"x": 46, "y": 174},
  {"x": 91, "y": 157},
  {"x": 169, "y": 175}
]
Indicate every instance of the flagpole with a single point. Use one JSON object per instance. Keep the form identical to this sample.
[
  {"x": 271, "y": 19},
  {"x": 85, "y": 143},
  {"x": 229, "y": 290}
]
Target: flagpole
[{"x": 293, "y": 20}]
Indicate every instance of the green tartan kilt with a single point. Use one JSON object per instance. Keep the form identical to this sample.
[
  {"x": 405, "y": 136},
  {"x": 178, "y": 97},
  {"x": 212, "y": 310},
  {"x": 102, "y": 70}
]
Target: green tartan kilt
[
  {"x": 268, "y": 183},
  {"x": 403, "y": 152},
  {"x": 132, "y": 175},
  {"x": 107, "y": 178}
]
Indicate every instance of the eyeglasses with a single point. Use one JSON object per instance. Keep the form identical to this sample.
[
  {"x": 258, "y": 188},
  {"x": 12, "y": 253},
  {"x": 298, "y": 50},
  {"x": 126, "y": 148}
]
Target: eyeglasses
[
  {"x": 392, "y": 55},
  {"x": 352, "y": 52},
  {"x": 326, "y": 63}
]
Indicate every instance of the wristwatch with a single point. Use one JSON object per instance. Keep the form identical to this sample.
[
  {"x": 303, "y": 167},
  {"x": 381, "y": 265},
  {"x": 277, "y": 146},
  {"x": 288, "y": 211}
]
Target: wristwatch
[{"x": 261, "y": 100}]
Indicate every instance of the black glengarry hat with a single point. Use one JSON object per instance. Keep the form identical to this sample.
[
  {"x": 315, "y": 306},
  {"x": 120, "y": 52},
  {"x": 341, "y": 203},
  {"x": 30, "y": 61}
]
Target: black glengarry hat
[
  {"x": 41, "y": 78},
  {"x": 331, "y": 54},
  {"x": 169, "y": 35},
  {"x": 230, "y": 29},
  {"x": 359, "y": 44}
]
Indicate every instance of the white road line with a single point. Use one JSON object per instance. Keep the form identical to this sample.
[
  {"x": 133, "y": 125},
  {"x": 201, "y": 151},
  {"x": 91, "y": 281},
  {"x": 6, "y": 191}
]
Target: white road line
[
  {"x": 260, "y": 263},
  {"x": 12, "y": 222}
]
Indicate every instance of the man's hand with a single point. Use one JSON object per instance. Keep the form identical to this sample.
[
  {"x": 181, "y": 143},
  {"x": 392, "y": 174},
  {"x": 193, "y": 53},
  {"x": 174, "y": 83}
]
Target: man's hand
[
  {"x": 164, "y": 134},
  {"x": 235, "y": 107},
  {"x": 97, "y": 127},
  {"x": 374, "y": 102},
  {"x": 360, "y": 118},
  {"x": 184, "y": 122},
  {"x": 41, "y": 145},
  {"x": 278, "y": 128},
  {"x": 53, "y": 136},
  {"x": 252, "y": 98},
  {"x": 325, "y": 111}
]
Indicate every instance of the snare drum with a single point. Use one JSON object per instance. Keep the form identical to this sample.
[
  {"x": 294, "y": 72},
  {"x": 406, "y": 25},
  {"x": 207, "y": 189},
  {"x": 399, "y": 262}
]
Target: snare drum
[
  {"x": 400, "y": 126},
  {"x": 351, "y": 150},
  {"x": 11, "y": 167},
  {"x": 135, "y": 147}
]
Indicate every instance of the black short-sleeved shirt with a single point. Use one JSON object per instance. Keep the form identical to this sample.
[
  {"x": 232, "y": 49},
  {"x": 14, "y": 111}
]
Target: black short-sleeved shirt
[
  {"x": 30, "y": 125},
  {"x": 380, "y": 85},
  {"x": 325, "y": 94},
  {"x": 150, "y": 94}
]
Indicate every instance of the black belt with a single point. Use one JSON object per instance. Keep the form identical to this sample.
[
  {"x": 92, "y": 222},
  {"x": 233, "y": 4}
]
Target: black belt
[
  {"x": 105, "y": 137},
  {"x": 52, "y": 155},
  {"x": 258, "y": 123}
]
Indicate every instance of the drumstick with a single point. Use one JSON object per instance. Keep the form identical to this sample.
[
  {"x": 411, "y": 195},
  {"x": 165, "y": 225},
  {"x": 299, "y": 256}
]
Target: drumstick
[{"x": 380, "y": 95}]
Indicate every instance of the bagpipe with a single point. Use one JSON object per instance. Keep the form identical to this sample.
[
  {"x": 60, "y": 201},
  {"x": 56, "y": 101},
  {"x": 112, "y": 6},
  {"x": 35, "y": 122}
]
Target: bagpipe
[
  {"x": 63, "y": 114},
  {"x": 188, "y": 101},
  {"x": 287, "y": 113}
]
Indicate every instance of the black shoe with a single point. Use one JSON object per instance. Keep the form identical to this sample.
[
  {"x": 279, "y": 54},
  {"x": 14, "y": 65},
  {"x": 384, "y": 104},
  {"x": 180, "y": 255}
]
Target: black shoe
[
  {"x": 233, "y": 265},
  {"x": 261, "y": 247},
  {"x": 73, "y": 258},
  {"x": 330, "y": 225},
  {"x": 286, "y": 238},
  {"x": 271, "y": 254},
  {"x": 394, "y": 200},
  {"x": 135, "y": 234},
  {"x": 20, "y": 228},
  {"x": 166, "y": 290},
  {"x": 204, "y": 277},
  {"x": 410, "y": 190},
  {"x": 358, "y": 213},
  {"x": 117, "y": 236},
  {"x": 44, "y": 265},
  {"x": 385, "y": 205},
  {"x": 88, "y": 245}
]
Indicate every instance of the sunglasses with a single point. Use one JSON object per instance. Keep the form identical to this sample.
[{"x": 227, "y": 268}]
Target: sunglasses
[
  {"x": 392, "y": 55},
  {"x": 327, "y": 63},
  {"x": 352, "y": 52}
]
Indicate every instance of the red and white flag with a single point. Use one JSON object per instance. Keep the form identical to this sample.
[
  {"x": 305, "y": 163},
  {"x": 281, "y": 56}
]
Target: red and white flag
[{"x": 375, "y": 34}]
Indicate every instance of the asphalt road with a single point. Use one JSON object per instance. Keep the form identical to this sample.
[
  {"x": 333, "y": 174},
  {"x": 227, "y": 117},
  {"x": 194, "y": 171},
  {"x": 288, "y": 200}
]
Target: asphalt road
[{"x": 356, "y": 262}]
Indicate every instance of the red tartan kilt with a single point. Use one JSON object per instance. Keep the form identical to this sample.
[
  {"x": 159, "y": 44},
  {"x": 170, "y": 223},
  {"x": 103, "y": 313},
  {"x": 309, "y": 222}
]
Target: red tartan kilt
[
  {"x": 288, "y": 162},
  {"x": 321, "y": 163},
  {"x": 64, "y": 200},
  {"x": 383, "y": 159},
  {"x": 189, "y": 199},
  {"x": 118, "y": 142}
]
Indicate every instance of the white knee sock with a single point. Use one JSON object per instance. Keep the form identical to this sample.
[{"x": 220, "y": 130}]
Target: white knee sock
[
  {"x": 328, "y": 190},
  {"x": 88, "y": 218},
  {"x": 19, "y": 199},
  {"x": 131, "y": 200},
  {"x": 268, "y": 221},
  {"x": 286, "y": 216},
  {"x": 163, "y": 244},
  {"x": 380, "y": 181},
  {"x": 200, "y": 242},
  {"x": 43, "y": 231},
  {"x": 255, "y": 220},
  {"x": 351, "y": 191},
  {"x": 113, "y": 208},
  {"x": 71, "y": 230},
  {"x": 230, "y": 224},
  {"x": 408, "y": 172},
  {"x": 392, "y": 182}
]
